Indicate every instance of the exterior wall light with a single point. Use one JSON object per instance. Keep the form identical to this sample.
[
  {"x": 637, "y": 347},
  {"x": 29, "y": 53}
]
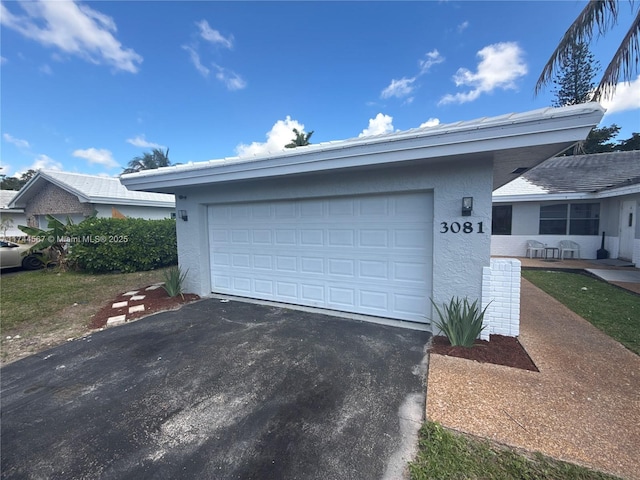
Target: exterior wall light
[
  {"x": 467, "y": 206},
  {"x": 183, "y": 215}
]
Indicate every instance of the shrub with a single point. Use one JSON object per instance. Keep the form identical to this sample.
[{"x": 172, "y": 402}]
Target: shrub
[
  {"x": 123, "y": 245},
  {"x": 460, "y": 321},
  {"x": 174, "y": 280}
]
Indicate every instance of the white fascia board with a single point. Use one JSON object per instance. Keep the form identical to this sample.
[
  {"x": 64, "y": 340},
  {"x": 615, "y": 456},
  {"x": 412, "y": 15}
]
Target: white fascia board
[
  {"x": 621, "y": 191},
  {"x": 545, "y": 197},
  {"x": 423, "y": 144},
  {"x": 552, "y": 197},
  {"x": 132, "y": 202}
]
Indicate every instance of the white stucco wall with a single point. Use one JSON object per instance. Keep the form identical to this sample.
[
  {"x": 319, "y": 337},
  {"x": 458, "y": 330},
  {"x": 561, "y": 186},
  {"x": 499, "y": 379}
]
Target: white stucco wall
[
  {"x": 148, "y": 213},
  {"x": 17, "y": 219},
  {"x": 458, "y": 258},
  {"x": 525, "y": 224}
]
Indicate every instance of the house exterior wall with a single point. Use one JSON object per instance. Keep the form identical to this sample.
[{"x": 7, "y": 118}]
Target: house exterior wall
[
  {"x": 458, "y": 258},
  {"x": 56, "y": 201},
  {"x": 526, "y": 220},
  {"x": 17, "y": 218},
  {"x": 148, "y": 213}
]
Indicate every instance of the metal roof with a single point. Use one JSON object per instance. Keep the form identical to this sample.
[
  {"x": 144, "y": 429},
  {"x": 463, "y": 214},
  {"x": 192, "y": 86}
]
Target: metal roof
[
  {"x": 91, "y": 189},
  {"x": 6, "y": 196},
  {"x": 511, "y": 141},
  {"x": 595, "y": 174}
]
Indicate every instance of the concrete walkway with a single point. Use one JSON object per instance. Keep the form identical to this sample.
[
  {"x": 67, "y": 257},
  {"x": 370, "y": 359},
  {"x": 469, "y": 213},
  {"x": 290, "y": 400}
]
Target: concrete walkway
[{"x": 583, "y": 406}]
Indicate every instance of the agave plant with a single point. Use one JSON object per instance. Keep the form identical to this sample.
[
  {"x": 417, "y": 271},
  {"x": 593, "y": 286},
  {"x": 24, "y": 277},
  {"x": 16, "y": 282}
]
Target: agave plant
[
  {"x": 174, "y": 279},
  {"x": 460, "y": 321}
]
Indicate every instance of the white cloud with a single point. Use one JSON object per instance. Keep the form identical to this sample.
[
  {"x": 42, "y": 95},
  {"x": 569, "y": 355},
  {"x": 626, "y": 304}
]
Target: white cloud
[
  {"x": 463, "y": 26},
  {"x": 231, "y": 79},
  {"x": 141, "y": 142},
  {"x": 3, "y": 60},
  {"x": 15, "y": 141},
  {"x": 195, "y": 59},
  {"x": 627, "y": 97},
  {"x": 432, "y": 122},
  {"x": 432, "y": 58},
  {"x": 44, "y": 162},
  {"x": 97, "y": 156},
  {"x": 214, "y": 36},
  {"x": 399, "y": 88},
  {"x": 379, "y": 125},
  {"x": 74, "y": 29},
  {"x": 500, "y": 66},
  {"x": 405, "y": 86},
  {"x": 46, "y": 69},
  {"x": 280, "y": 134}
]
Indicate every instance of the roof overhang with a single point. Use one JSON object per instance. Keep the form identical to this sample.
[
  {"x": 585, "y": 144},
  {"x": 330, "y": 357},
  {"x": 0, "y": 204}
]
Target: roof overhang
[
  {"x": 555, "y": 197},
  {"x": 511, "y": 141}
]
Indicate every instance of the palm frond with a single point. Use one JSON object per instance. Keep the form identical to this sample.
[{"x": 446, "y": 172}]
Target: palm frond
[
  {"x": 622, "y": 63},
  {"x": 597, "y": 13}
]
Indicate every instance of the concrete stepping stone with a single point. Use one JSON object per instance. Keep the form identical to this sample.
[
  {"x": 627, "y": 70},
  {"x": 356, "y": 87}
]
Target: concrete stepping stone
[
  {"x": 128, "y": 294},
  {"x": 118, "y": 319},
  {"x": 119, "y": 304},
  {"x": 137, "y": 297},
  {"x": 136, "y": 308}
]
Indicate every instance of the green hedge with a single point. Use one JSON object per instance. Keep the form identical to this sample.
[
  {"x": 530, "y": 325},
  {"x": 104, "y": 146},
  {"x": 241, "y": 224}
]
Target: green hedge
[{"x": 103, "y": 245}]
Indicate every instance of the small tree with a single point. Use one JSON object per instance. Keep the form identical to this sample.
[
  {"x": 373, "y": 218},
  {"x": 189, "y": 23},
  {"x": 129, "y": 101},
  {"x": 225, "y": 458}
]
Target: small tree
[
  {"x": 301, "y": 139},
  {"x": 5, "y": 225}
]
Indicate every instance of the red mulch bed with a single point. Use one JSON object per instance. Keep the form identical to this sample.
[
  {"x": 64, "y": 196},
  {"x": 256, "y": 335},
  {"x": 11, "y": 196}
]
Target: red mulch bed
[
  {"x": 500, "y": 350},
  {"x": 154, "y": 301}
]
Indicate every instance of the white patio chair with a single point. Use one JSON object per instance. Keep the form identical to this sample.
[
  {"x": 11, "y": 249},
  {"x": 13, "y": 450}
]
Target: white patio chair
[
  {"x": 567, "y": 246},
  {"x": 533, "y": 247}
]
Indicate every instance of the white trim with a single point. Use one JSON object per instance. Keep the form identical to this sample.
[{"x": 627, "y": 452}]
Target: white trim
[{"x": 551, "y": 197}]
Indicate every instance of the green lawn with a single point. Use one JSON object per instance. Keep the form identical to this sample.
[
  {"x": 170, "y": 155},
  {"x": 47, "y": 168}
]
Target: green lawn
[
  {"x": 447, "y": 455},
  {"x": 41, "y": 296},
  {"x": 614, "y": 311}
]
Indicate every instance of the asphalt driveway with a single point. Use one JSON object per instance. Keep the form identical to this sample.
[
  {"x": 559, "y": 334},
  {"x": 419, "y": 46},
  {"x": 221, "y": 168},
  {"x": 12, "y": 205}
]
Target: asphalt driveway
[{"x": 218, "y": 391}]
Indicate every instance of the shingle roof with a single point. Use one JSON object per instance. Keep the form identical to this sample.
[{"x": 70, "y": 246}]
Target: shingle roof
[
  {"x": 577, "y": 174},
  {"x": 93, "y": 189}
]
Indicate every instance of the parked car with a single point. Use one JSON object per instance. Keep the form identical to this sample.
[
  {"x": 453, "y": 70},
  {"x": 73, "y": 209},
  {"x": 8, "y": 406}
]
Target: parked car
[{"x": 11, "y": 256}]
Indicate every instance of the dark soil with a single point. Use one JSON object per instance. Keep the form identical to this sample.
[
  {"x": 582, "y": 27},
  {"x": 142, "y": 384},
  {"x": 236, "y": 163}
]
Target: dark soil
[
  {"x": 500, "y": 350},
  {"x": 157, "y": 300}
]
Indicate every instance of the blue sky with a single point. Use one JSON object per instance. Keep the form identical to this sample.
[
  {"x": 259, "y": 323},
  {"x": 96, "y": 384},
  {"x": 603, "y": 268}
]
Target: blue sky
[{"x": 87, "y": 86}]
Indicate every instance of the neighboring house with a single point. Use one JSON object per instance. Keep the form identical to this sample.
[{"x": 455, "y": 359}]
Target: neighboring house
[
  {"x": 75, "y": 195},
  {"x": 374, "y": 226},
  {"x": 10, "y": 218},
  {"x": 572, "y": 198}
]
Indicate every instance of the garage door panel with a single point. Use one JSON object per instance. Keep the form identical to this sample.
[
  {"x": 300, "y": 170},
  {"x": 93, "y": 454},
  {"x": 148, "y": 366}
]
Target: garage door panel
[
  {"x": 363, "y": 254},
  {"x": 312, "y": 266}
]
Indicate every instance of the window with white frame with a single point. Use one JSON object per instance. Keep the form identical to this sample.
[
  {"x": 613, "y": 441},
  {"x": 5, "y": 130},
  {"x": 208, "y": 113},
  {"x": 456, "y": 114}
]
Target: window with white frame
[{"x": 569, "y": 219}]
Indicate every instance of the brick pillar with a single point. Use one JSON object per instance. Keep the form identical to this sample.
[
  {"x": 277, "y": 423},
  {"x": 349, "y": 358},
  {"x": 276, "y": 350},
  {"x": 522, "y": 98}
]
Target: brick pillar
[{"x": 501, "y": 291}]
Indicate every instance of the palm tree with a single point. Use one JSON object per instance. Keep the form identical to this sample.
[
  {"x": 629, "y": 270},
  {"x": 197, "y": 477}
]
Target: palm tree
[
  {"x": 604, "y": 15},
  {"x": 149, "y": 161},
  {"x": 301, "y": 139}
]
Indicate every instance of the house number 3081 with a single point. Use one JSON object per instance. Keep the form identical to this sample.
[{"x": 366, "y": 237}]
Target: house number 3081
[{"x": 457, "y": 227}]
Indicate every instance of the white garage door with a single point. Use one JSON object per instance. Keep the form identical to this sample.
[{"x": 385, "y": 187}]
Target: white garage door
[{"x": 362, "y": 254}]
